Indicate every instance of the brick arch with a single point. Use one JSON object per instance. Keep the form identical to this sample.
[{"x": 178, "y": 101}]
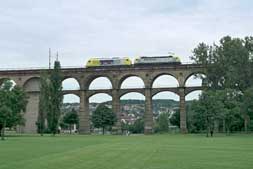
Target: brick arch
[
  {"x": 132, "y": 92},
  {"x": 75, "y": 94},
  {"x": 155, "y": 77},
  {"x": 191, "y": 92},
  {"x": 32, "y": 84},
  {"x": 172, "y": 90},
  {"x": 124, "y": 77},
  {"x": 191, "y": 74},
  {"x": 123, "y": 92},
  {"x": 95, "y": 93},
  {"x": 70, "y": 77},
  {"x": 91, "y": 78}
]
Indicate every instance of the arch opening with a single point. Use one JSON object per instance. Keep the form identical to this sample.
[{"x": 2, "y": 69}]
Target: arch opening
[
  {"x": 165, "y": 81},
  {"x": 94, "y": 101},
  {"x": 195, "y": 80},
  {"x": 194, "y": 95},
  {"x": 70, "y": 84},
  {"x": 70, "y": 110},
  {"x": 100, "y": 98},
  {"x": 166, "y": 110},
  {"x": 100, "y": 83},
  {"x": 132, "y": 82},
  {"x": 71, "y": 98},
  {"x": 132, "y": 108}
]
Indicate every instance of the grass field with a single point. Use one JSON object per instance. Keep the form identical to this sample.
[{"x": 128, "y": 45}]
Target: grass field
[{"x": 127, "y": 152}]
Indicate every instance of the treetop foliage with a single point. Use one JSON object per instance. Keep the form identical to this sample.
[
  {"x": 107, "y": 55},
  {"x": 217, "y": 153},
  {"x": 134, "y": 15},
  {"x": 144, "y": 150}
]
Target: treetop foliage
[{"x": 229, "y": 63}]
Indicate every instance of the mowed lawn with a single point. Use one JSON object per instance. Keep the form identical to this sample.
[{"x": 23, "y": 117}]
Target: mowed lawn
[{"x": 127, "y": 152}]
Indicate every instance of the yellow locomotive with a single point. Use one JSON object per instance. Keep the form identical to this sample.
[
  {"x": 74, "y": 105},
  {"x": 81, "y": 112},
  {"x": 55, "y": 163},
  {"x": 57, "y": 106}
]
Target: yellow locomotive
[{"x": 115, "y": 61}]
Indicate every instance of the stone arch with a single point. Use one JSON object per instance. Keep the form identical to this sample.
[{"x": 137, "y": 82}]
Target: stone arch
[
  {"x": 173, "y": 94},
  {"x": 165, "y": 77},
  {"x": 126, "y": 77},
  {"x": 193, "y": 95},
  {"x": 102, "y": 97},
  {"x": 157, "y": 92},
  {"x": 91, "y": 78},
  {"x": 123, "y": 92},
  {"x": 138, "y": 93},
  {"x": 94, "y": 101},
  {"x": 135, "y": 101},
  {"x": 187, "y": 82},
  {"x": 70, "y": 83},
  {"x": 98, "y": 80},
  {"x": 71, "y": 94},
  {"x": 165, "y": 102},
  {"x": 32, "y": 84}
]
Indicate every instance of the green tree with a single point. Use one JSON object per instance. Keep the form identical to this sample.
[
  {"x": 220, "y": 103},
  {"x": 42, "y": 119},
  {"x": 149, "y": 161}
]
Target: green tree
[
  {"x": 70, "y": 119},
  {"x": 225, "y": 61},
  {"x": 175, "y": 118},
  {"x": 214, "y": 106},
  {"x": 4, "y": 117},
  {"x": 207, "y": 111},
  {"x": 163, "y": 123},
  {"x": 202, "y": 54},
  {"x": 229, "y": 65},
  {"x": 103, "y": 117},
  {"x": 137, "y": 127},
  {"x": 13, "y": 101},
  {"x": 231, "y": 113},
  {"x": 247, "y": 106},
  {"x": 195, "y": 119},
  {"x": 124, "y": 127},
  {"x": 55, "y": 98},
  {"x": 44, "y": 102}
]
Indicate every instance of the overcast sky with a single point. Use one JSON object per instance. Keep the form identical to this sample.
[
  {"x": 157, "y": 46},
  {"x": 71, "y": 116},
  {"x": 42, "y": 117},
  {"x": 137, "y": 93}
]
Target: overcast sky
[{"x": 83, "y": 29}]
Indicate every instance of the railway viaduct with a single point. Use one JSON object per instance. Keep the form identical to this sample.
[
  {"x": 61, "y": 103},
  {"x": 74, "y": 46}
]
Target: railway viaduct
[{"x": 30, "y": 79}]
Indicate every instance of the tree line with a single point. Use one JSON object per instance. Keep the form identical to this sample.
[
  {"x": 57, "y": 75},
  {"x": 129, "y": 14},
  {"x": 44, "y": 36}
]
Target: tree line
[{"x": 226, "y": 104}]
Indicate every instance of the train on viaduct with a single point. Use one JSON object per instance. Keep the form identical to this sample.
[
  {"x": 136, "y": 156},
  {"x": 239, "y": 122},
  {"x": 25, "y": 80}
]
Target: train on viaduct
[{"x": 29, "y": 79}]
